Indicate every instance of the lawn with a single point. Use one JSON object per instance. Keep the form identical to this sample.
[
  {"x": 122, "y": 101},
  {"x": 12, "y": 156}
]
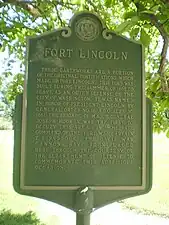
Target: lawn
[
  {"x": 9, "y": 199},
  {"x": 156, "y": 201}
]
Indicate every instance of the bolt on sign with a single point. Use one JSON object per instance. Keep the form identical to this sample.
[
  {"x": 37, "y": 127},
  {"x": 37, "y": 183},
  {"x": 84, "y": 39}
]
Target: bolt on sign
[{"x": 85, "y": 120}]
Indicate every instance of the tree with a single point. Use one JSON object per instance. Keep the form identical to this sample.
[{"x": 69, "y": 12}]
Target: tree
[
  {"x": 145, "y": 21},
  {"x": 11, "y": 85}
]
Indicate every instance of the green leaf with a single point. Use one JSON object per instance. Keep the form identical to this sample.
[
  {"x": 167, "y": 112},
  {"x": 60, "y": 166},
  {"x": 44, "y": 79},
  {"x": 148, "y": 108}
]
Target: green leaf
[
  {"x": 77, "y": 2},
  {"x": 134, "y": 32},
  {"x": 2, "y": 48},
  {"x": 144, "y": 38},
  {"x": 135, "y": 19},
  {"x": 167, "y": 133},
  {"x": 165, "y": 103},
  {"x": 147, "y": 12},
  {"x": 155, "y": 8},
  {"x": 122, "y": 27},
  {"x": 108, "y": 3},
  {"x": 128, "y": 15},
  {"x": 155, "y": 86}
]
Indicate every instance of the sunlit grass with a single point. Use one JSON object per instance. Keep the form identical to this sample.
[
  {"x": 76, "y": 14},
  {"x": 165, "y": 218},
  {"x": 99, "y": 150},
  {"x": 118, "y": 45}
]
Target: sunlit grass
[
  {"x": 9, "y": 199},
  {"x": 157, "y": 200}
]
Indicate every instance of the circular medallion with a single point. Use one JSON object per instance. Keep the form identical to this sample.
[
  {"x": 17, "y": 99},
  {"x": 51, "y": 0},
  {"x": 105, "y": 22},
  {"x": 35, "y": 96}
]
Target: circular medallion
[{"x": 87, "y": 29}]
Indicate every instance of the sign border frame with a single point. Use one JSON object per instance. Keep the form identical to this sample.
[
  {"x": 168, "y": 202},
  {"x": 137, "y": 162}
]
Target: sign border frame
[{"x": 23, "y": 132}]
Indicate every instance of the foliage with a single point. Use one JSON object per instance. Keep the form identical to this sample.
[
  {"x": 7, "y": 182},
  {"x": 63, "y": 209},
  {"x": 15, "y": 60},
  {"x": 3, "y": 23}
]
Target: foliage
[
  {"x": 144, "y": 21},
  {"x": 9, "y": 218},
  {"x": 11, "y": 85},
  {"x": 5, "y": 124}
]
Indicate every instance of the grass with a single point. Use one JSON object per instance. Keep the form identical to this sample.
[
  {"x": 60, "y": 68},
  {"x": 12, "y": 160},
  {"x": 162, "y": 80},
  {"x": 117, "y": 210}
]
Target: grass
[
  {"x": 155, "y": 202},
  {"x": 9, "y": 199}
]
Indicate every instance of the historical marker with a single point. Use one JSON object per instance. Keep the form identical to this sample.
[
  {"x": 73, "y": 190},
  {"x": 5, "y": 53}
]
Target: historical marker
[{"x": 84, "y": 114}]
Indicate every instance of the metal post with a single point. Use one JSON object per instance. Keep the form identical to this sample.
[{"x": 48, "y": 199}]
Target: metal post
[
  {"x": 84, "y": 205},
  {"x": 82, "y": 219}
]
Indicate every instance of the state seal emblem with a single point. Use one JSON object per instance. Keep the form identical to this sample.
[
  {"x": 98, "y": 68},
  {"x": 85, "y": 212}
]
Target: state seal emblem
[{"x": 87, "y": 29}]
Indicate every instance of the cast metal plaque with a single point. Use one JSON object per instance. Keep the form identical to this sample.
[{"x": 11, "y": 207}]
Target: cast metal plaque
[{"x": 84, "y": 110}]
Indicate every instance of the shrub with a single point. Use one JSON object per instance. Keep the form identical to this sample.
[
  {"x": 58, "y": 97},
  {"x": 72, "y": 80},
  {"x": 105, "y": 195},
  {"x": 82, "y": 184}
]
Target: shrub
[{"x": 9, "y": 218}]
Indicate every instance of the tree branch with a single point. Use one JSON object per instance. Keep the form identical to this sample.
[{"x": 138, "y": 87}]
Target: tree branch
[
  {"x": 165, "y": 37},
  {"x": 59, "y": 18},
  {"x": 164, "y": 50},
  {"x": 24, "y": 5},
  {"x": 94, "y": 6},
  {"x": 165, "y": 1},
  {"x": 160, "y": 26},
  {"x": 58, "y": 15}
]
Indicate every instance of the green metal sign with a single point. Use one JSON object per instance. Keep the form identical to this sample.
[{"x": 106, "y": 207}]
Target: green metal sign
[{"x": 85, "y": 121}]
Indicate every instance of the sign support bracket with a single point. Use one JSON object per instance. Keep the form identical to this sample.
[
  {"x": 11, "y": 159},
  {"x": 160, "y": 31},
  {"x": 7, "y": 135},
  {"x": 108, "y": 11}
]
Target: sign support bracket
[{"x": 84, "y": 205}]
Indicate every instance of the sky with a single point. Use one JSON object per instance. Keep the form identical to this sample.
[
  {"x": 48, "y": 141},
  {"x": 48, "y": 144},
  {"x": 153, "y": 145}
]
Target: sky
[{"x": 4, "y": 55}]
